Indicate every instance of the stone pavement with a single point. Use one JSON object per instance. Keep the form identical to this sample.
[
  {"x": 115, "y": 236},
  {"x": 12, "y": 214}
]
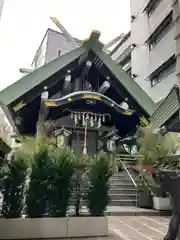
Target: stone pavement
[
  {"x": 111, "y": 236},
  {"x": 125, "y": 211},
  {"x": 135, "y": 228},
  {"x": 133, "y": 211},
  {"x": 139, "y": 227}
]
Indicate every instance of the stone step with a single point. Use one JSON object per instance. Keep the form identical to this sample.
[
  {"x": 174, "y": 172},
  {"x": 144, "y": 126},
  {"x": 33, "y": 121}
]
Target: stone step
[
  {"x": 122, "y": 185},
  {"x": 120, "y": 176},
  {"x": 113, "y": 202},
  {"x": 123, "y": 202},
  {"x": 123, "y": 176},
  {"x": 122, "y": 196},
  {"x": 123, "y": 180},
  {"x": 126, "y": 211},
  {"x": 124, "y": 173},
  {"x": 122, "y": 191}
]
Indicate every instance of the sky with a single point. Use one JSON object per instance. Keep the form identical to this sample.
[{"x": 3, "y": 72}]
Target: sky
[{"x": 24, "y": 23}]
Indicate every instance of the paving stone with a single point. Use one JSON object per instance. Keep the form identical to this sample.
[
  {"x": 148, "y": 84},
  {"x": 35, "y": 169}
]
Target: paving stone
[
  {"x": 112, "y": 236},
  {"x": 155, "y": 224},
  {"x": 126, "y": 232},
  {"x": 160, "y": 220},
  {"x": 139, "y": 227}
]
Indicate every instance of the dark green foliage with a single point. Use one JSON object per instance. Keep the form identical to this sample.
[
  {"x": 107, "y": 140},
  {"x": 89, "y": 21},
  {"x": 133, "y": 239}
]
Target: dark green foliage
[
  {"x": 53, "y": 175},
  {"x": 79, "y": 181},
  {"x": 13, "y": 183},
  {"x": 97, "y": 194},
  {"x": 59, "y": 186},
  {"x": 36, "y": 196}
]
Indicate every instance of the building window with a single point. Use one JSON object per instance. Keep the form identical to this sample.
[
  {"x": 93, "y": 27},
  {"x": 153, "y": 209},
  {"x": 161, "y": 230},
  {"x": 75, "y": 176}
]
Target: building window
[
  {"x": 161, "y": 31},
  {"x": 59, "y": 53},
  {"x": 126, "y": 64},
  {"x": 151, "y": 6},
  {"x": 163, "y": 71},
  {"x": 129, "y": 71},
  {"x": 125, "y": 61}
]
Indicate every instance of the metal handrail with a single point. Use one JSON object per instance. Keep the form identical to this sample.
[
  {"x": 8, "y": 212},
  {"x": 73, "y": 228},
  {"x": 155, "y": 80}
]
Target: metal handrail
[{"x": 130, "y": 176}]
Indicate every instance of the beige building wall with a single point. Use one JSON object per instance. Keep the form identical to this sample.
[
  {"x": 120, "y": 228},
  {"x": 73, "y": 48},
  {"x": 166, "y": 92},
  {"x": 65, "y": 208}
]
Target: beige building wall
[
  {"x": 147, "y": 61},
  {"x": 1, "y": 7},
  {"x": 176, "y": 20}
]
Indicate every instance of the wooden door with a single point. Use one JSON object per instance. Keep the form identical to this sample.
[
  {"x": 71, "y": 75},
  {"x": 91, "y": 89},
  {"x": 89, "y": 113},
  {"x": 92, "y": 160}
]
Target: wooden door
[{"x": 77, "y": 141}]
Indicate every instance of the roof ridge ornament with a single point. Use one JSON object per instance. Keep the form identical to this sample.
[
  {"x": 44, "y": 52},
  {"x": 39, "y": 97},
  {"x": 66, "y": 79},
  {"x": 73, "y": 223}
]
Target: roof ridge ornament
[{"x": 93, "y": 40}]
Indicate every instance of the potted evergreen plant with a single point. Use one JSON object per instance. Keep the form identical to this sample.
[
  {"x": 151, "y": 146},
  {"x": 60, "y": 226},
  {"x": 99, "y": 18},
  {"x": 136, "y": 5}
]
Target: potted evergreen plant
[
  {"x": 96, "y": 197},
  {"x": 48, "y": 194},
  {"x": 161, "y": 200},
  {"x": 12, "y": 186},
  {"x": 144, "y": 192},
  {"x": 79, "y": 181},
  {"x": 13, "y": 180},
  {"x": 59, "y": 185},
  {"x": 156, "y": 149},
  {"x": 41, "y": 189},
  {"x": 97, "y": 194}
]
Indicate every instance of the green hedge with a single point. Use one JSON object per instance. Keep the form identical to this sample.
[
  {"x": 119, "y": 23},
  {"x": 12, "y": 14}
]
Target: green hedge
[{"x": 54, "y": 175}]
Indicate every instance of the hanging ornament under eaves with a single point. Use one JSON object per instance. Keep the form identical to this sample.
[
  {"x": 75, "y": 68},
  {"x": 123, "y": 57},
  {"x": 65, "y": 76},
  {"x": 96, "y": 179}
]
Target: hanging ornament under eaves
[
  {"x": 72, "y": 115},
  {"x": 83, "y": 119},
  {"x": 75, "y": 118},
  {"x": 95, "y": 118},
  {"x": 87, "y": 116},
  {"x": 91, "y": 121},
  {"x": 99, "y": 122},
  {"x": 79, "y": 116},
  {"x": 103, "y": 118}
]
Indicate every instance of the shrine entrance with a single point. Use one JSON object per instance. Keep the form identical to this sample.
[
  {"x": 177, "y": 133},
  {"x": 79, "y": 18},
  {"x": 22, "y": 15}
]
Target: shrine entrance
[{"x": 78, "y": 139}]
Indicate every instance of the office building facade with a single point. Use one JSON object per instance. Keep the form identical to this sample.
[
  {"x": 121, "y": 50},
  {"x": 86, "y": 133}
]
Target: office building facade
[{"x": 148, "y": 51}]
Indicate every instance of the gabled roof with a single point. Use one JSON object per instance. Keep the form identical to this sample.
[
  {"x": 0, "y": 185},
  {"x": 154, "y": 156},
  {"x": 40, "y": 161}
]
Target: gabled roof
[
  {"x": 39, "y": 76},
  {"x": 25, "y": 84},
  {"x": 127, "y": 82},
  {"x": 4, "y": 147}
]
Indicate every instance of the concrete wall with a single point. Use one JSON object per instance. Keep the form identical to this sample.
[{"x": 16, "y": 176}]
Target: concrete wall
[
  {"x": 57, "y": 42},
  {"x": 176, "y": 19},
  {"x": 52, "y": 44},
  {"x": 143, "y": 60},
  {"x": 1, "y": 7}
]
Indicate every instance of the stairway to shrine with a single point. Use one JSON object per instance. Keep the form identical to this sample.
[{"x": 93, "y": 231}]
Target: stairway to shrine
[{"x": 123, "y": 191}]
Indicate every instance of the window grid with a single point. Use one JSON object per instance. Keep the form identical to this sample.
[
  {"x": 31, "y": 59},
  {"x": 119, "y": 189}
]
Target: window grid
[
  {"x": 158, "y": 35},
  {"x": 153, "y": 7},
  {"x": 165, "y": 72}
]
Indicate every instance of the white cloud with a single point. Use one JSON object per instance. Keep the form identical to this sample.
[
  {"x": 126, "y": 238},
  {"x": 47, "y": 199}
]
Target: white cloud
[{"x": 24, "y": 23}]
